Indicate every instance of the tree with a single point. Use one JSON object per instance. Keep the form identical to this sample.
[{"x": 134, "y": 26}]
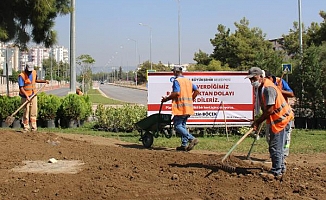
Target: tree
[
  {"x": 310, "y": 82},
  {"x": 85, "y": 62},
  {"x": 241, "y": 49},
  {"x": 202, "y": 58},
  {"x": 318, "y": 31},
  {"x": 47, "y": 67},
  {"x": 221, "y": 45},
  {"x": 30, "y": 20}
]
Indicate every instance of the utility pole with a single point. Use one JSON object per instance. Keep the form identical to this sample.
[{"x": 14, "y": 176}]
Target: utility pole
[
  {"x": 7, "y": 53},
  {"x": 179, "y": 37},
  {"x": 73, "y": 47}
]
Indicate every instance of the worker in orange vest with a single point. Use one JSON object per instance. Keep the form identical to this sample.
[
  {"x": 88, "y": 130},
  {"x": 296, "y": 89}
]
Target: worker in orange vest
[
  {"x": 27, "y": 87},
  {"x": 182, "y": 96},
  {"x": 79, "y": 92},
  {"x": 277, "y": 113}
]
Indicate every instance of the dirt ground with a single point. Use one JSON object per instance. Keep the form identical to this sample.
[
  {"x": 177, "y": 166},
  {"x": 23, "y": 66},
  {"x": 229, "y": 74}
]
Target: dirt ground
[{"x": 111, "y": 169}]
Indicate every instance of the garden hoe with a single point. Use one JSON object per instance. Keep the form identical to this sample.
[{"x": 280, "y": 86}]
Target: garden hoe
[{"x": 10, "y": 119}]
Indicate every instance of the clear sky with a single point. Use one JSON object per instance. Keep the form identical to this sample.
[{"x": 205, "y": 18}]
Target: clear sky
[{"x": 103, "y": 27}]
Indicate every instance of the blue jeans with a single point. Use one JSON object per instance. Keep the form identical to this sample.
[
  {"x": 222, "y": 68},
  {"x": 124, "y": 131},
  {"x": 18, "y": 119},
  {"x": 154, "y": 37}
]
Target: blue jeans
[
  {"x": 179, "y": 122},
  {"x": 288, "y": 130},
  {"x": 276, "y": 150}
]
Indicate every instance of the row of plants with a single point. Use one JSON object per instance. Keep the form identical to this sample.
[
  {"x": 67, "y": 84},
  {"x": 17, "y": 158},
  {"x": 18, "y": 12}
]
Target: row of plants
[
  {"x": 8, "y": 106},
  {"x": 64, "y": 111},
  {"x": 119, "y": 118},
  {"x": 71, "y": 108}
]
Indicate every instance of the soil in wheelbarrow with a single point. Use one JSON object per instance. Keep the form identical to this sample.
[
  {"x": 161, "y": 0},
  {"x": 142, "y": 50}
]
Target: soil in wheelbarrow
[{"x": 100, "y": 168}]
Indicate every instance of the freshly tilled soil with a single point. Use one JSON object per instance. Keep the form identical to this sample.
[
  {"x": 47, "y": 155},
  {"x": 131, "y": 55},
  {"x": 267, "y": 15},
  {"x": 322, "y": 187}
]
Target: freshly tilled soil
[{"x": 116, "y": 170}]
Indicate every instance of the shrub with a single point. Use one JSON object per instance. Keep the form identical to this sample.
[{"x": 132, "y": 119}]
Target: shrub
[
  {"x": 71, "y": 107},
  {"x": 48, "y": 106},
  {"x": 119, "y": 118},
  {"x": 5, "y": 108}
]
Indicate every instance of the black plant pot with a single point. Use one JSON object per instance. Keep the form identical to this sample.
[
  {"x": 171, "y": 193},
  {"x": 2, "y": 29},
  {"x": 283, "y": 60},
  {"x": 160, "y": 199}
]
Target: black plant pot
[
  {"x": 3, "y": 124},
  {"x": 73, "y": 123},
  {"x": 50, "y": 123},
  {"x": 16, "y": 124},
  {"x": 40, "y": 123}
]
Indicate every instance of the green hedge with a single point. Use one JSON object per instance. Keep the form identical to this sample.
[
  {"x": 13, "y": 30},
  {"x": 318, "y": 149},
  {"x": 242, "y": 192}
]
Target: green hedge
[{"x": 119, "y": 119}]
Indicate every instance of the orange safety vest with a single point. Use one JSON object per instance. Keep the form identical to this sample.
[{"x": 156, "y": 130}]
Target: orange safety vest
[
  {"x": 279, "y": 83},
  {"x": 29, "y": 86},
  {"x": 282, "y": 112},
  {"x": 183, "y": 104}
]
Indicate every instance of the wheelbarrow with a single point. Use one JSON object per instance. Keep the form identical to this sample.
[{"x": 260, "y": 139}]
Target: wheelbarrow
[{"x": 154, "y": 126}]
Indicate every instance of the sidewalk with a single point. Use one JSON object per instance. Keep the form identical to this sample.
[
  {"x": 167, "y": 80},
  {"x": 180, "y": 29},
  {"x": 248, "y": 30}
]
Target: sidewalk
[{"x": 14, "y": 91}]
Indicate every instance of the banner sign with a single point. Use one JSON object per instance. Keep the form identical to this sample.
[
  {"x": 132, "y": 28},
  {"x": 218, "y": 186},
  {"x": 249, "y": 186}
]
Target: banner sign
[{"x": 224, "y": 96}]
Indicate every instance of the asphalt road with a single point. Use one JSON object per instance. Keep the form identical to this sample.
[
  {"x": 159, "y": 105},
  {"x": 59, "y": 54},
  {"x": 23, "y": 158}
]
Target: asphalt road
[
  {"x": 129, "y": 95},
  {"x": 59, "y": 92},
  {"x": 125, "y": 94}
]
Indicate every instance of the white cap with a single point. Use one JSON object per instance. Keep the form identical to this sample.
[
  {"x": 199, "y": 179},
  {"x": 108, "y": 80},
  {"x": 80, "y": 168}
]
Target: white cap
[{"x": 30, "y": 66}]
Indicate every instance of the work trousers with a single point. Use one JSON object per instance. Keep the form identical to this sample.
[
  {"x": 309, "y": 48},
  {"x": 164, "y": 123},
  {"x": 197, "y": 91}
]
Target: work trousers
[
  {"x": 276, "y": 150},
  {"x": 30, "y": 114},
  {"x": 287, "y": 137},
  {"x": 179, "y": 122}
]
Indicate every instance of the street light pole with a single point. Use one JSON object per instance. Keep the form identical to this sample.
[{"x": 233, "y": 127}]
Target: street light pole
[
  {"x": 137, "y": 63},
  {"x": 51, "y": 57},
  {"x": 179, "y": 40},
  {"x": 300, "y": 27},
  {"x": 73, "y": 47},
  {"x": 150, "y": 43}
]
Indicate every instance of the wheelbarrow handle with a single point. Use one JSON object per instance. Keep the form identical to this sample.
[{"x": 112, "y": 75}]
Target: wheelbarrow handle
[{"x": 159, "y": 112}]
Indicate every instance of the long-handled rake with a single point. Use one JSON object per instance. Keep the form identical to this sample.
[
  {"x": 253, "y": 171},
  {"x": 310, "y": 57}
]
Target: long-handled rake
[
  {"x": 236, "y": 144},
  {"x": 10, "y": 119},
  {"x": 227, "y": 167}
]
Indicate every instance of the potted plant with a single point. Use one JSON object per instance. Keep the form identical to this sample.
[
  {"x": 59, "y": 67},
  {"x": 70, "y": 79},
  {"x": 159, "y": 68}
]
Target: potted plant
[
  {"x": 86, "y": 109},
  {"x": 4, "y": 110},
  {"x": 47, "y": 109},
  {"x": 71, "y": 110},
  {"x": 15, "y": 103}
]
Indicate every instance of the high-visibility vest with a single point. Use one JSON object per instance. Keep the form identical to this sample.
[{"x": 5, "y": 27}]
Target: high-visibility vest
[
  {"x": 279, "y": 83},
  {"x": 183, "y": 104},
  {"x": 29, "y": 86},
  {"x": 282, "y": 112}
]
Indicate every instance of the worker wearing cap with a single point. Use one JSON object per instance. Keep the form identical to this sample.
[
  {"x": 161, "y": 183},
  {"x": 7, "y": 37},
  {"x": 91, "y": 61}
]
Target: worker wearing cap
[
  {"x": 277, "y": 114},
  {"x": 182, "y": 96},
  {"x": 27, "y": 85},
  {"x": 79, "y": 92},
  {"x": 287, "y": 92}
]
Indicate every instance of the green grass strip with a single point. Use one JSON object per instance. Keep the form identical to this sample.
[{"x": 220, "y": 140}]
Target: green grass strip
[
  {"x": 303, "y": 141},
  {"x": 97, "y": 98}
]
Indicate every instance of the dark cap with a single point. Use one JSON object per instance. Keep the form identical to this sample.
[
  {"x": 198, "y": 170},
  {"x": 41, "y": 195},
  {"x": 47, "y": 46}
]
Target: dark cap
[
  {"x": 177, "y": 69},
  {"x": 29, "y": 66},
  {"x": 268, "y": 74},
  {"x": 254, "y": 71}
]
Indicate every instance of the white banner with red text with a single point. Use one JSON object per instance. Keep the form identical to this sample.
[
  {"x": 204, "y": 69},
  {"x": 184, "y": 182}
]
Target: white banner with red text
[{"x": 225, "y": 97}]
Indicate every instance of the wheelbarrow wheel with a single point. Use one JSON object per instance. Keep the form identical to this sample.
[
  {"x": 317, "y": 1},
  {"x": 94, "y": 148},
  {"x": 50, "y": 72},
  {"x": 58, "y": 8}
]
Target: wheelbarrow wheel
[{"x": 147, "y": 140}]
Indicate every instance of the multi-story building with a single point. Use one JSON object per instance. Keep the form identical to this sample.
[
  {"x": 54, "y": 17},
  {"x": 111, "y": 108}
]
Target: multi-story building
[
  {"x": 60, "y": 54},
  {"x": 12, "y": 54}
]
